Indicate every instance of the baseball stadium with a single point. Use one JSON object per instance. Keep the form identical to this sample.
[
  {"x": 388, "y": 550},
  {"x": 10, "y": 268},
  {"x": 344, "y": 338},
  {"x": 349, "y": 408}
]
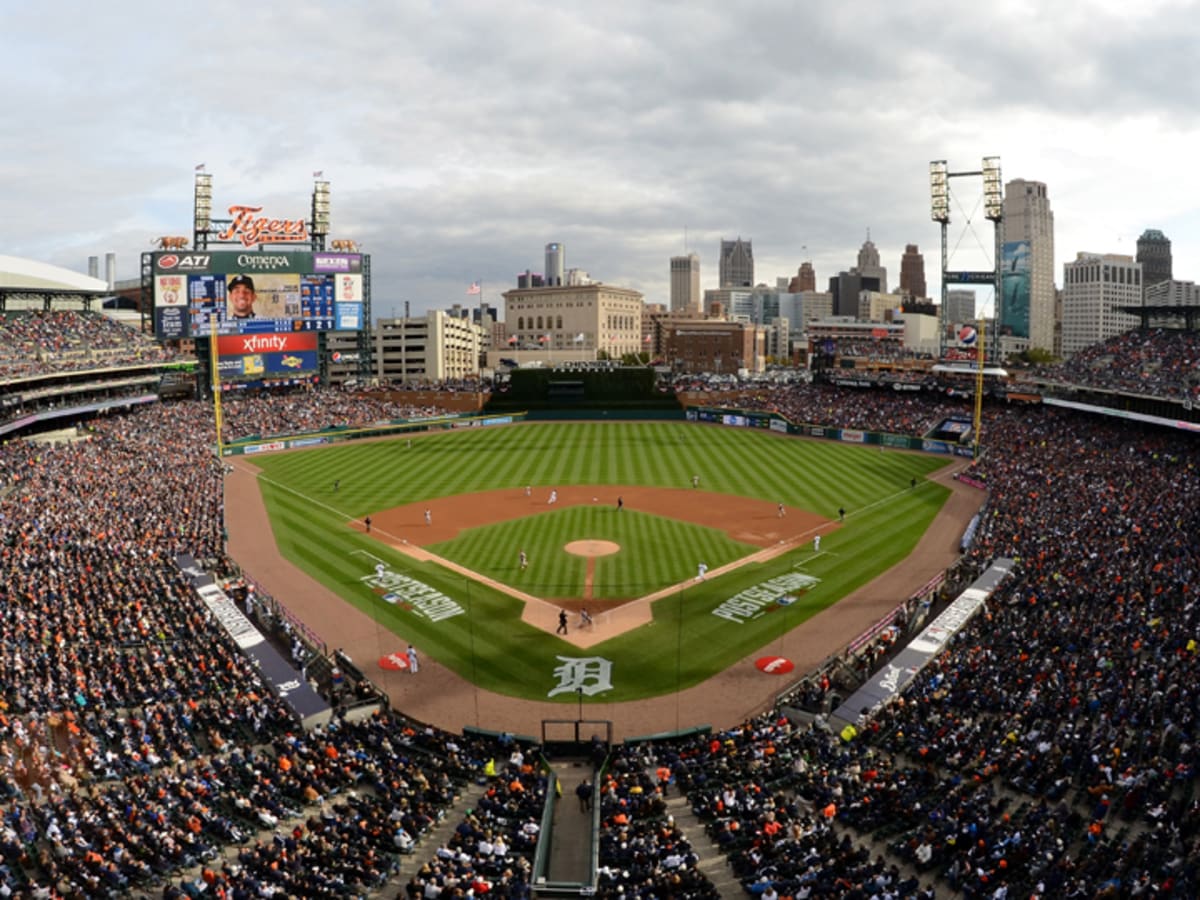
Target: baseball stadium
[{"x": 270, "y": 634}]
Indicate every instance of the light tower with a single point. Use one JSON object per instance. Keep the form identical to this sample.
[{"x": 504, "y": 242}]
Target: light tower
[
  {"x": 320, "y": 214},
  {"x": 993, "y": 211},
  {"x": 202, "y": 211}
]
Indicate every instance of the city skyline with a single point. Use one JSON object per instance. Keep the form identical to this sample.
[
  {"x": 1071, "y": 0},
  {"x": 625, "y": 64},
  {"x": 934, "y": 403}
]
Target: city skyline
[{"x": 459, "y": 139}]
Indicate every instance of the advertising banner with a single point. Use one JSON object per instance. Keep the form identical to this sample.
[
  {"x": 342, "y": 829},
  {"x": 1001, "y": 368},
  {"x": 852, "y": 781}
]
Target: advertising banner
[
  {"x": 260, "y": 364},
  {"x": 895, "y": 676},
  {"x": 283, "y": 679},
  {"x": 1015, "y": 279},
  {"x": 237, "y": 345}
]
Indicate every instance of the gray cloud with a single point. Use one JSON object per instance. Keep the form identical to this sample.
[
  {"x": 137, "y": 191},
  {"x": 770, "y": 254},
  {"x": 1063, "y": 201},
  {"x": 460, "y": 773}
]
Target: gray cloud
[{"x": 460, "y": 137}]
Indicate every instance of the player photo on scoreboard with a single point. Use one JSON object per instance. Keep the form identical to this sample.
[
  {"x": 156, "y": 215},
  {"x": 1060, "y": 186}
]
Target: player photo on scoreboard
[{"x": 262, "y": 295}]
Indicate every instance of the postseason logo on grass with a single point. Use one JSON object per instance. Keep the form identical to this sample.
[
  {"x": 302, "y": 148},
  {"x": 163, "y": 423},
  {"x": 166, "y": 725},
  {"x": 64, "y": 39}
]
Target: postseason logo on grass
[
  {"x": 753, "y": 602},
  {"x": 410, "y": 594}
]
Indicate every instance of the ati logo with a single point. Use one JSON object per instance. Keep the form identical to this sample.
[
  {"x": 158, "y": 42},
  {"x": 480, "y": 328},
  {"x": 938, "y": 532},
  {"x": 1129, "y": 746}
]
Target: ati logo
[{"x": 191, "y": 262}]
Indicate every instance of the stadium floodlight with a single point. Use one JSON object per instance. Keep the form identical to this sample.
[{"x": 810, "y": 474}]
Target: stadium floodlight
[
  {"x": 939, "y": 192},
  {"x": 993, "y": 190},
  {"x": 203, "y": 202},
  {"x": 320, "y": 208}
]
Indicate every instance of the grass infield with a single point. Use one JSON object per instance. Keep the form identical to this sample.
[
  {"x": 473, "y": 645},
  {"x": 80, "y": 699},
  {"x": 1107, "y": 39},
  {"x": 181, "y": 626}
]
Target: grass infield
[{"x": 489, "y": 644}]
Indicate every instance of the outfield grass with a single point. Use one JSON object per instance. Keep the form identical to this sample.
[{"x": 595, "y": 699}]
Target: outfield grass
[{"x": 686, "y": 643}]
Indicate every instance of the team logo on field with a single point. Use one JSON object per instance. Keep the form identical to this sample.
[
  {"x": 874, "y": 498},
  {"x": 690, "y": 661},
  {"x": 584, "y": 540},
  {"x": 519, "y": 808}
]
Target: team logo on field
[{"x": 589, "y": 674}]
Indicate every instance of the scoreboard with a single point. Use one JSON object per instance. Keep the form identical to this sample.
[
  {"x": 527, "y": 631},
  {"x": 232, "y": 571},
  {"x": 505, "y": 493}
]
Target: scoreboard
[{"x": 256, "y": 293}]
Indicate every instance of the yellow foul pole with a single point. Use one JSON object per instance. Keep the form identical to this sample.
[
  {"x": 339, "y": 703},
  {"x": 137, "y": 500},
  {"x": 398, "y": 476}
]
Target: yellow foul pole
[
  {"x": 980, "y": 353},
  {"x": 216, "y": 381}
]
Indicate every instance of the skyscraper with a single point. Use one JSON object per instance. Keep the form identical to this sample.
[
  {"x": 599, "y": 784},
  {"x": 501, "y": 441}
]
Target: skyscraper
[
  {"x": 685, "y": 284},
  {"x": 736, "y": 267},
  {"x": 556, "y": 259},
  {"x": 960, "y": 307},
  {"x": 804, "y": 280},
  {"x": 1027, "y": 282},
  {"x": 869, "y": 267},
  {"x": 1094, "y": 287},
  {"x": 912, "y": 272},
  {"x": 1154, "y": 253}
]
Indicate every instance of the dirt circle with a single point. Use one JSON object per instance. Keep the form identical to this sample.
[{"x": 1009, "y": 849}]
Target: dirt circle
[{"x": 592, "y": 549}]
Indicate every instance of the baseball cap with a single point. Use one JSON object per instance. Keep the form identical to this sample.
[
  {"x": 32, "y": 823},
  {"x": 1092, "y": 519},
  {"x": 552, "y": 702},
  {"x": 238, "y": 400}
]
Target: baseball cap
[{"x": 242, "y": 279}]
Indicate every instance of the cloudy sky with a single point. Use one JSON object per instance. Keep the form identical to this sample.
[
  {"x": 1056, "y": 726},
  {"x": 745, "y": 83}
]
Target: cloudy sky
[{"x": 460, "y": 136}]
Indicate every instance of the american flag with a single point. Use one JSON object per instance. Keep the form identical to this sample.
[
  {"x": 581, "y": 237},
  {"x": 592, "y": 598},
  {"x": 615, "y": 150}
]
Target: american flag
[
  {"x": 474, "y": 288},
  {"x": 318, "y": 174},
  {"x": 200, "y": 168}
]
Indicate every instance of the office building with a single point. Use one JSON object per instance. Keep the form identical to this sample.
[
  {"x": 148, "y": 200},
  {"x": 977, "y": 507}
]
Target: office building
[
  {"x": 736, "y": 267},
  {"x": 912, "y": 272},
  {"x": 556, "y": 260},
  {"x": 706, "y": 345},
  {"x": 960, "y": 308},
  {"x": 685, "y": 285},
  {"x": 1095, "y": 286},
  {"x": 845, "y": 288},
  {"x": 1154, "y": 253},
  {"x": 1027, "y": 269},
  {"x": 1172, "y": 293},
  {"x": 869, "y": 267},
  {"x": 590, "y": 318},
  {"x": 437, "y": 346},
  {"x": 804, "y": 280}
]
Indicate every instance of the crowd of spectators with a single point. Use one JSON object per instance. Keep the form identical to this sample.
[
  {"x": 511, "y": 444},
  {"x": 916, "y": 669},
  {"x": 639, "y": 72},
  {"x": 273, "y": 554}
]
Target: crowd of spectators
[
  {"x": 42, "y": 342},
  {"x": 1050, "y": 751},
  {"x": 642, "y": 851},
  {"x": 876, "y": 351},
  {"x": 304, "y": 411},
  {"x": 136, "y": 741},
  {"x": 491, "y": 850},
  {"x": 894, "y": 412},
  {"x": 1157, "y": 362}
]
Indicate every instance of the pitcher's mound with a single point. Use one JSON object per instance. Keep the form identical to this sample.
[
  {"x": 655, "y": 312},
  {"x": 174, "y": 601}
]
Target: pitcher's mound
[{"x": 592, "y": 548}]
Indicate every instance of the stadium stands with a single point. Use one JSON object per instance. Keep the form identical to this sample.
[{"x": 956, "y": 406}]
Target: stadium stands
[
  {"x": 42, "y": 342},
  {"x": 1050, "y": 751}
]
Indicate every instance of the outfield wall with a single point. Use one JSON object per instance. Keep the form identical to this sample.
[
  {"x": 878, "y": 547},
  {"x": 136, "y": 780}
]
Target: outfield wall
[
  {"x": 398, "y": 428},
  {"x": 771, "y": 421}
]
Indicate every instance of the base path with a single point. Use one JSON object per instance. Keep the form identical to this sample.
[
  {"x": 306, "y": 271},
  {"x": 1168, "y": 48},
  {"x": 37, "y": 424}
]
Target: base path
[{"x": 440, "y": 697}]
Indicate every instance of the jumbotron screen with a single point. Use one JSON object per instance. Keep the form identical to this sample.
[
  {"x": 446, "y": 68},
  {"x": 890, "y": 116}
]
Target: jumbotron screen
[{"x": 256, "y": 293}]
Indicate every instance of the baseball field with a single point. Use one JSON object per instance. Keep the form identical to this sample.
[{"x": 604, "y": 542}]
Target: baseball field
[{"x": 639, "y": 510}]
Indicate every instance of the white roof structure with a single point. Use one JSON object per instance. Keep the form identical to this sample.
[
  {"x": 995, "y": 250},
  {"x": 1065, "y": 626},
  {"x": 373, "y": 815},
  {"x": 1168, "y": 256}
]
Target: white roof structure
[{"x": 27, "y": 274}]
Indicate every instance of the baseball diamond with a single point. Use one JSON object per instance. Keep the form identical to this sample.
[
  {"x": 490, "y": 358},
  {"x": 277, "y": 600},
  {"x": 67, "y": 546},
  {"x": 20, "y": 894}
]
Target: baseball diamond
[{"x": 486, "y": 625}]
